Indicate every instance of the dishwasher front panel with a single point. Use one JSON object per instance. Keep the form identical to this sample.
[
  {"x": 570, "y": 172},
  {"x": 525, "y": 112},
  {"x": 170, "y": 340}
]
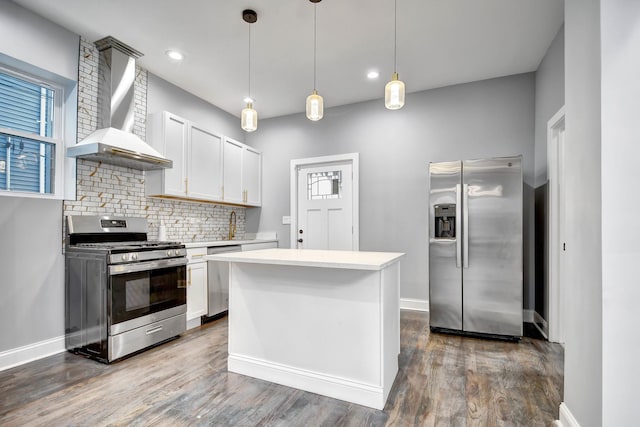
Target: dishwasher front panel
[{"x": 218, "y": 281}]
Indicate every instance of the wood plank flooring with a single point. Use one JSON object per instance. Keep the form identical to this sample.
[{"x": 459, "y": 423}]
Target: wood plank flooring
[{"x": 444, "y": 380}]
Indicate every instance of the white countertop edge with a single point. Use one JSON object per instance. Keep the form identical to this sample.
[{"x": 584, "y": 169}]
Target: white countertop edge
[
  {"x": 349, "y": 260},
  {"x": 211, "y": 243}
]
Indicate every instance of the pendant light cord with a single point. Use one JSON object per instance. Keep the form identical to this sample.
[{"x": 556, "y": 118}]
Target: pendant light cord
[
  {"x": 395, "y": 35},
  {"x": 315, "y": 42},
  {"x": 250, "y": 62}
]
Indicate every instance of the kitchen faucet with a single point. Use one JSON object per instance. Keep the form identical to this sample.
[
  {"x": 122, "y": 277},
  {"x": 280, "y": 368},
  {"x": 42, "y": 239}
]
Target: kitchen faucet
[{"x": 232, "y": 225}]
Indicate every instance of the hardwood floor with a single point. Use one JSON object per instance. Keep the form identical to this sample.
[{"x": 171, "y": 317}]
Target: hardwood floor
[{"x": 444, "y": 380}]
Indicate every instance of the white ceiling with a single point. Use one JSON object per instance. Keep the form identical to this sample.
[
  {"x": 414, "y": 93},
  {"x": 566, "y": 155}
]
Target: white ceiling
[{"x": 440, "y": 42}]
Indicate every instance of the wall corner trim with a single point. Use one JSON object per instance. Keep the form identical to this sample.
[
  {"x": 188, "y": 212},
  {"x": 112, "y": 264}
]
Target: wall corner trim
[
  {"x": 566, "y": 417},
  {"x": 29, "y": 353},
  {"x": 414, "y": 304}
]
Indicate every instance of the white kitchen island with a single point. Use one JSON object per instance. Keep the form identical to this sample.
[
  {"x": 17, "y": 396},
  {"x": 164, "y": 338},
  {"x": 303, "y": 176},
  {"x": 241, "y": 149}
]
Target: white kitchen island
[{"x": 327, "y": 322}]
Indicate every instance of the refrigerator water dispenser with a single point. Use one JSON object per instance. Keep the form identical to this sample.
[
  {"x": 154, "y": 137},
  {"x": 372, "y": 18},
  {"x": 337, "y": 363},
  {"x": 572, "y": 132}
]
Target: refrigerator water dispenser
[{"x": 445, "y": 221}]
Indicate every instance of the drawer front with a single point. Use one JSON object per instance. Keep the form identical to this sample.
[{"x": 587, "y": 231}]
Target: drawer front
[
  {"x": 140, "y": 338},
  {"x": 196, "y": 255}
]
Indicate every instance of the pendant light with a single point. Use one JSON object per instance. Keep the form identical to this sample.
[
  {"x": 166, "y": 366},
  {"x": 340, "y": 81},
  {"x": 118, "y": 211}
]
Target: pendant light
[
  {"x": 315, "y": 107},
  {"x": 249, "y": 116},
  {"x": 394, "y": 90}
]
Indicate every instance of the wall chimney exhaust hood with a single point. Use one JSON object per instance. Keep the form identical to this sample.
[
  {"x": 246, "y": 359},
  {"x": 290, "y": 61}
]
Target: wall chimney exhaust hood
[{"x": 114, "y": 141}]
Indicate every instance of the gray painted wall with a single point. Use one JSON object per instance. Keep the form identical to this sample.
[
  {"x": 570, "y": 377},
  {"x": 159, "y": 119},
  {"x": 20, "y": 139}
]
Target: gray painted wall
[
  {"x": 549, "y": 99},
  {"x": 31, "y": 260},
  {"x": 34, "y": 40},
  {"x": 475, "y": 120},
  {"x": 32, "y": 266},
  {"x": 620, "y": 174},
  {"x": 583, "y": 284},
  {"x": 165, "y": 96}
]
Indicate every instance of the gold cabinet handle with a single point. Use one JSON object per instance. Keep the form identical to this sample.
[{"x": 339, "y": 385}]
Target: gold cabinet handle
[
  {"x": 186, "y": 186},
  {"x": 223, "y": 192},
  {"x": 189, "y": 280}
]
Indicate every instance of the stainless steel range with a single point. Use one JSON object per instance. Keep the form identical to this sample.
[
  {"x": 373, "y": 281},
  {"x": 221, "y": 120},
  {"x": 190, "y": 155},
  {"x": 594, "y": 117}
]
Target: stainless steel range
[{"x": 124, "y": 293}]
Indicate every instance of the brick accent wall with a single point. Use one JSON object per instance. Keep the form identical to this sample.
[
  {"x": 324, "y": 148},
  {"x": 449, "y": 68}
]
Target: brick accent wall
[{"x": 116, "y": 190}]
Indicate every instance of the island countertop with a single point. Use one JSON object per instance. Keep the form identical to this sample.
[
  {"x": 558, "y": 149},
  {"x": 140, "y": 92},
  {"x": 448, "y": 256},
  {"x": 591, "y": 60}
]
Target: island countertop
[{"x": 353, "y": 260}]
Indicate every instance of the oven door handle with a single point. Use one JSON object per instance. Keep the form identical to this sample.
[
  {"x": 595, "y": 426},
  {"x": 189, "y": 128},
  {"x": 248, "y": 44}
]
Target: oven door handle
[{"x": 146, "y": 266}]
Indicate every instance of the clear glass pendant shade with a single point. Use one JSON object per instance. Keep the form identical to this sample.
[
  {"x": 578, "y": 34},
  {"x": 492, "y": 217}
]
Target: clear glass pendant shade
[
  {"x": 315, "y": 108},
  {"x": 394, "y": 93},
  {"x": 249, "y": 118}
]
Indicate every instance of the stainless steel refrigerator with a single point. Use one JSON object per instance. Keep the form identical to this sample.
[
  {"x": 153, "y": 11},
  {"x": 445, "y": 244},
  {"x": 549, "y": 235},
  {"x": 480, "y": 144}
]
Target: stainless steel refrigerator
[{"x": 475, "y": 246}]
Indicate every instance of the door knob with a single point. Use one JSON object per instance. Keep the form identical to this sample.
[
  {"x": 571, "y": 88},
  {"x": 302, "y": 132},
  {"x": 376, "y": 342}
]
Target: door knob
[{"x": 299, "y": 240}]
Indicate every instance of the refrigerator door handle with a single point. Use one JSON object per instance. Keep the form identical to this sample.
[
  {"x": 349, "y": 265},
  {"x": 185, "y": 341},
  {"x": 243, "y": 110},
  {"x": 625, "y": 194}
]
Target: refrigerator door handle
[
  {"x": 458, "y": 236},
  {"x": 465, "y": 224}
]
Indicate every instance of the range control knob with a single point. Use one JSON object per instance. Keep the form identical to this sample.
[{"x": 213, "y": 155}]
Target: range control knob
[
  {"x": 125, "y": 257},
  {"x": 134, "y": 256},
  {"x": 169, "y": 253}
]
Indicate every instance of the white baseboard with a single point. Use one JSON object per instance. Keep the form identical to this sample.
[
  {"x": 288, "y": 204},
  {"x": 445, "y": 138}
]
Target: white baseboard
[
  {"x": 338, "y": 388},
  {"x": 29, "y": 353},
  {"x": 566, "y": 417},
  {"x": 194, "y": 323},
  {"x": 414, "y": 304}
]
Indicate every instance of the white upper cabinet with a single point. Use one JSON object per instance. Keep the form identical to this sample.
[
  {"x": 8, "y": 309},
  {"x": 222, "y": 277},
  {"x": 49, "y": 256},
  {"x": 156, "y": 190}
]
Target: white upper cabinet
[
  {"x": 242, "y": 174},
  {"x": 233, "y": 191},
  {"x": 251, "y": 176},
  {"x": 168, "y": 134},
  {"x": 206, "y": 165}
]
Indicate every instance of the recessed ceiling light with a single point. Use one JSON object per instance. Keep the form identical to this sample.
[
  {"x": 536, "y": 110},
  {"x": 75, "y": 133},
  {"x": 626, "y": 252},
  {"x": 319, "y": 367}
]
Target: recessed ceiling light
[
  {"x": 373, "y": 75},
  {"x": 175, "y": 55}
]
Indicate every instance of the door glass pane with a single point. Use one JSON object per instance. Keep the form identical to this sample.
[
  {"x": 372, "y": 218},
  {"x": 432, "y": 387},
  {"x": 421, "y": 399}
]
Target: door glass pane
[{"x": 324, "y": 185}]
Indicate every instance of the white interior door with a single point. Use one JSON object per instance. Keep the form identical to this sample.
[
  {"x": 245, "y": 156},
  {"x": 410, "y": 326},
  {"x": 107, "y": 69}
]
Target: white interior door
[{"x": 325, "y": 207}]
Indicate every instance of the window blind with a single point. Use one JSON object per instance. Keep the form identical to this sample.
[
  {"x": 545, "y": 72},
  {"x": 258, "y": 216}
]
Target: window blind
[{"x": 26, "y": 164}]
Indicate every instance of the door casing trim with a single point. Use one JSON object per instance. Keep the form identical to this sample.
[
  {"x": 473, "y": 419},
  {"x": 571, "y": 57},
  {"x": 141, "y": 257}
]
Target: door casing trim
[{"x": 556, "y": 294}]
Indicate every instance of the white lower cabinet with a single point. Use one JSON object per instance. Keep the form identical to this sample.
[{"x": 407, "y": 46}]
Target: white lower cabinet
[
  {"x": 197, "y": 279},
  {"x": 196, "y": 286}
]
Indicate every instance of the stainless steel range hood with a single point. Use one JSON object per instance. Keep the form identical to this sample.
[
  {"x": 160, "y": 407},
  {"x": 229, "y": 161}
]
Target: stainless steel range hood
[{"x": 114, "y": 141}]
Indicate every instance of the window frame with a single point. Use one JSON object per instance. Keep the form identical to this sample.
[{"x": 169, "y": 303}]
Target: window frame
[{"x": 57, "y": 140}]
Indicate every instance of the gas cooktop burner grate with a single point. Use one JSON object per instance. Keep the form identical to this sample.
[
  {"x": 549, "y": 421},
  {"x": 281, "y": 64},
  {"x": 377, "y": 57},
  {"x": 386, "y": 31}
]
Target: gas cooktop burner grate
[{"x": 130, "y": 245}]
